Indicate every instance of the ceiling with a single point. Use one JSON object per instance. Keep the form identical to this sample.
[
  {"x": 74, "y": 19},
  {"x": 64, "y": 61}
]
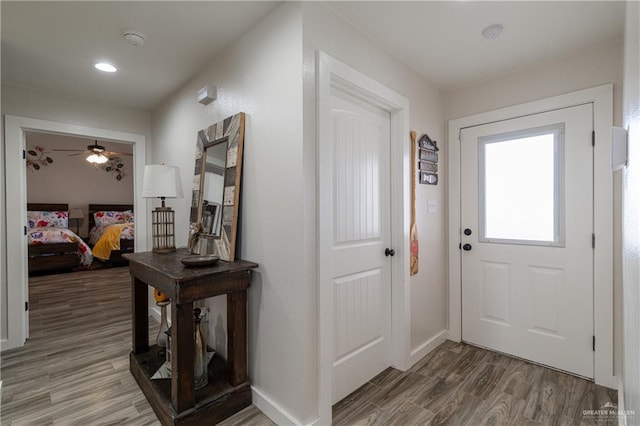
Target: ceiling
[
  {"x": 53, "y": 45},
  {"x": 443, "y": 41},
  {"x": 54, "y": 141}
]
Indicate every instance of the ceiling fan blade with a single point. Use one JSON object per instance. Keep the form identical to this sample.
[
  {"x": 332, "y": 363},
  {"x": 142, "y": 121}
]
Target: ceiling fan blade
[
  {"x": 69, "y": 150},
  {"x": 117, "y": 153},
  {"x": 73, "y": 155}
]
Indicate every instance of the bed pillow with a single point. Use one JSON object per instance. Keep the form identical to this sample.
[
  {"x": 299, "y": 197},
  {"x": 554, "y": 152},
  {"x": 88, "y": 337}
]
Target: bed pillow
[
  {"x": 108, "y": 217},
  {"x": 53, "y": 219},
  {"x": 128, "y": 216}
]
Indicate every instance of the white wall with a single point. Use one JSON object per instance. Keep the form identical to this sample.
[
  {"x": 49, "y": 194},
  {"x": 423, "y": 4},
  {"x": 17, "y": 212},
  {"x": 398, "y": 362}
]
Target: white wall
[
  {"x": 74, "y": 181},
  {"x": 596, "y": 66},
  {"x": 261, "y": 74},
  {"x": 630, "y": 385},
  {"x": 41, "y": 104},
  {"x": 345, "y": 43}
]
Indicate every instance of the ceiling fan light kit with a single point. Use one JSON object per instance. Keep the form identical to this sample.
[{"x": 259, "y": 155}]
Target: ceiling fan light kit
[{"x": 97, "y": 158}]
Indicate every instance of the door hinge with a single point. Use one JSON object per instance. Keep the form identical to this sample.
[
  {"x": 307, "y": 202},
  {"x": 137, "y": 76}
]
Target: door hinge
[
  {"x": 593, "y": 138},
  {"x": 594, "y": 343},
  {"x": 24, "y": 154},
  {"x": 593, "y": 240},
  {"x": 26, "y": 306},
  {"x": 25, "y": 230}
]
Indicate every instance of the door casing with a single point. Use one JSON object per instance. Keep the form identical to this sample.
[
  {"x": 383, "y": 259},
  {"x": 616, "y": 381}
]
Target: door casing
[
  {"x": 16, "y": 216},
  {"x": 332, "y": 73},
  {"x": 602, "y": 99}
]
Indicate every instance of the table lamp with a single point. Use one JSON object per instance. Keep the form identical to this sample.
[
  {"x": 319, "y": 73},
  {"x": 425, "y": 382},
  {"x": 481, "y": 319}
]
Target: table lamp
[{"x": 161, "y": 181}]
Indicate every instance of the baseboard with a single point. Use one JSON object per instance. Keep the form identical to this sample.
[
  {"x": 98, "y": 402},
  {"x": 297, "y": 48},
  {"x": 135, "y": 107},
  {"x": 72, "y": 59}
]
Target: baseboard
[
  {"x": 421, "y": 351},
  {"x": 273, "y": 410}
]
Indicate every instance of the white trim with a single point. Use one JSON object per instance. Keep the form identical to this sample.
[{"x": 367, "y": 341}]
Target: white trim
[
  {"x": 333, "y": 73},
  {"x": 424, "y": 349},
  {"x": 16, "y": 197},
  {"x": 602, "y": 99},
  {"x": 622, "y": 418},
  {"x": 272, "y": 409}
]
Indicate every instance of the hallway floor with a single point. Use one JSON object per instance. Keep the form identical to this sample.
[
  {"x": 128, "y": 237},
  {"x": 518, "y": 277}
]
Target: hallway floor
[{"x": 74, "y": 369}]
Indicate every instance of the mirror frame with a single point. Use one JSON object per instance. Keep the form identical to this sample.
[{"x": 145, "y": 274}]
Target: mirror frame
[{"x": 231, "y": 132}]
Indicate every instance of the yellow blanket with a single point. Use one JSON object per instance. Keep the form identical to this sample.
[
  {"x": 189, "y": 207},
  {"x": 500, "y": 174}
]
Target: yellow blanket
[{"x": 110, "y": 240}]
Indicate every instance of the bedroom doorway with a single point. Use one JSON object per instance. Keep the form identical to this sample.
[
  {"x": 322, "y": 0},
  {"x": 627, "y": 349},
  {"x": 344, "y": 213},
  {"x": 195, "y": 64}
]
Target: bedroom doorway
[{"x": 14, "y": 306}]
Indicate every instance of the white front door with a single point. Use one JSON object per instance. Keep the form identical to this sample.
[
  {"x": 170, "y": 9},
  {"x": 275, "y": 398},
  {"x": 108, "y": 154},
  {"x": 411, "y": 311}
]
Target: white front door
[
  {"x": 526, "y": 237},
  {"x": 360, "y": 216}
]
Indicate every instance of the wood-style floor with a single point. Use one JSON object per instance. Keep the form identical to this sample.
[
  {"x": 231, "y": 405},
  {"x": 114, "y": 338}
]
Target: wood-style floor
[{"x": 74, "y": 370}]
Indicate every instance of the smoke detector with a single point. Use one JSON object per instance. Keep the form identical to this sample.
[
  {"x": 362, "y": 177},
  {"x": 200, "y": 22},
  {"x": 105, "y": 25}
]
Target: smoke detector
[
  {"x": 492, "y": 32},
  {"x": 134, "y": 38}
]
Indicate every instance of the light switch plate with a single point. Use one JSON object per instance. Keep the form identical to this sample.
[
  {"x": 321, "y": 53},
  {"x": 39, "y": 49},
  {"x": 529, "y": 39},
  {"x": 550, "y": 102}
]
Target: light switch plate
[{"x": 432, "y": 206}]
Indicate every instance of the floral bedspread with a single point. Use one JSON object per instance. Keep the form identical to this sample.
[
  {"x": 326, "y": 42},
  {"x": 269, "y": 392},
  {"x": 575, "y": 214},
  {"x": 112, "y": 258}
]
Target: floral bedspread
[
  {"x": 47, "y": 235},
  {"x": 97, "y": 231}
]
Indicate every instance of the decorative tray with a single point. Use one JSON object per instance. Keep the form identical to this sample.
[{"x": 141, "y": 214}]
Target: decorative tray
[{"x": 197, "y": 261}]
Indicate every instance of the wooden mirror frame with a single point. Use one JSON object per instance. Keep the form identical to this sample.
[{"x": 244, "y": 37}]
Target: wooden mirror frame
[{"x": 231, "y": 131}]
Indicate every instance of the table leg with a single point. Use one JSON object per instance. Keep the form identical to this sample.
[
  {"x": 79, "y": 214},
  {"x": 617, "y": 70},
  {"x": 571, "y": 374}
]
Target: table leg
[
  {"x": 182, "y": 393},
  {"x": 139, "y": 316},
  {"x": 237, "y": 337}
]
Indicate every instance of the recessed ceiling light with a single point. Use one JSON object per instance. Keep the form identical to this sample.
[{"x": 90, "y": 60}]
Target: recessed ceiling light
[
  {"x": 492, "y": 32},
  {"x": 105, "y": 67}
]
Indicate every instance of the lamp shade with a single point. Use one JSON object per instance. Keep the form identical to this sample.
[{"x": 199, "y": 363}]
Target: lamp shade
[
  {"x": 76, "y": 213},
  {"x": 161, "y": 181}
]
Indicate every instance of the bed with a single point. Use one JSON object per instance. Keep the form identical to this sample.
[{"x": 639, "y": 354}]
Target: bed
[
  {"x": 51, "y": 245},
  {"x": 101, "y": 219}
]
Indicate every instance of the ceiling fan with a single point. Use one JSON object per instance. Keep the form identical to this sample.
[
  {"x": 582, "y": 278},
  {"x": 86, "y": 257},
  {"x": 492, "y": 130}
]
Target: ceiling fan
[{"x": 97, "y": 153}]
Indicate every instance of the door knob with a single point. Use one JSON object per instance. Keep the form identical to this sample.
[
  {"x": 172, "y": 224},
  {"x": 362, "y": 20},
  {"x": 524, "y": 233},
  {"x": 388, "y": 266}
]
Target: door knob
[
  {"x": 467, "y": 231},
  {"x": 466, "y": 247},
  {"x": 389, "y": 252}
]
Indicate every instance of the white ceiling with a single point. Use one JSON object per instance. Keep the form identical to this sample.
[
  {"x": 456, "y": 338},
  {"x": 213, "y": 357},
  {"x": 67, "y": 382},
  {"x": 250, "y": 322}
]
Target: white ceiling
[
  {"x": 52, "y": 45},
  {"x": 443, "y": 40}
]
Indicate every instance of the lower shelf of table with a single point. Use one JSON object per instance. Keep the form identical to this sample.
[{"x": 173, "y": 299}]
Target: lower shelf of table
[{"x": 217, "y": 401}]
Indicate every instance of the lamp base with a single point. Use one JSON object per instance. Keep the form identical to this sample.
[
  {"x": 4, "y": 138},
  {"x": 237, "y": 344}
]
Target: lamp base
[{"x": 162, "y": 230}]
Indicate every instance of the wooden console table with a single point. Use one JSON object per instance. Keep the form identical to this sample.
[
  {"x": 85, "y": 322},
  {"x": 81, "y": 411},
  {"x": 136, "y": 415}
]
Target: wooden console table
[{"x": 174, "y": 401}]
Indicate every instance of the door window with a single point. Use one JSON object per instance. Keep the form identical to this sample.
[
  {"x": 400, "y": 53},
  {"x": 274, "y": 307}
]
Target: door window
[{"x": 521, "y": 189}]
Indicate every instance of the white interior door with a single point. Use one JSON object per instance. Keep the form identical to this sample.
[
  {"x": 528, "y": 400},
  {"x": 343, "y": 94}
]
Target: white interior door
[
  {"x": 527, "y": 227},
  {"x": 360, "y": 271}
]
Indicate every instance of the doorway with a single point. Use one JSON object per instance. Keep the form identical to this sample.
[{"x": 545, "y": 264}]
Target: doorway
[
  {"x": 600, "y": 320},
  {"x": 349, "y": 100},
  {"x": 17, "y": 323},
  {"x": 527, "y": 219}
]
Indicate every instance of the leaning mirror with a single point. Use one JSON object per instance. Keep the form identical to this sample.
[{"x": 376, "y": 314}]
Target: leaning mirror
[{"x": 216, "y": 189}]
